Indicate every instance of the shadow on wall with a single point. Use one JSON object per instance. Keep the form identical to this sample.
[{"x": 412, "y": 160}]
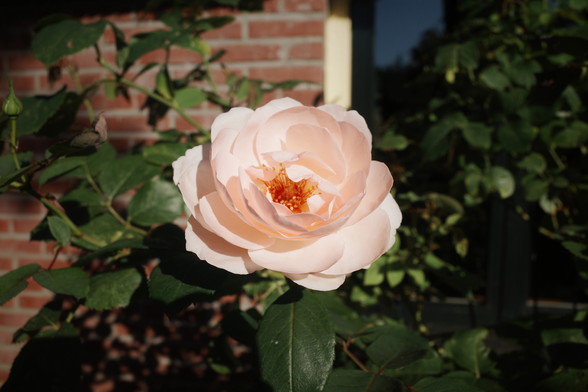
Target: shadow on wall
[{"x": 139, "y": 348}]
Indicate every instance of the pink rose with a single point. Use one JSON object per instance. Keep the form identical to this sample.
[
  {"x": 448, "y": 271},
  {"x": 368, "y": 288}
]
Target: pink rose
[{"x": 289, "y": 188}]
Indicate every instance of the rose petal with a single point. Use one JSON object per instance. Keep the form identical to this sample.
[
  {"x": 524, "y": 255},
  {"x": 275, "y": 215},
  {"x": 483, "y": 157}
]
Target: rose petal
[
  {"x": 317, "y": 281},
  {"x": 367, "y": 239},
  {"x": 227, "y": 224},
  {"x": 351, "y": 117},
  {"x": 217, "y": 251},
  {"x": 300, "y": 256},
  {"x": 193, "y": 175},
  {"x": 234, "y": 119},
  {"x": 378, "y": 184}
]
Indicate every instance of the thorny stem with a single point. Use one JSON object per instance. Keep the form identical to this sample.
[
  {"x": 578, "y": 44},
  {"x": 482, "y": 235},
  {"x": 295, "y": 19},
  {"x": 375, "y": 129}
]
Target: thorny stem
[
  {"x": 345, "y": 345},
  {"x": 60, "y": 213},
  {"x": 108, "y": 205}
]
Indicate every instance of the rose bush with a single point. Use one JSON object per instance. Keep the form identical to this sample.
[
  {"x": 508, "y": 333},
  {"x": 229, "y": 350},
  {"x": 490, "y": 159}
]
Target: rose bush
[{"x": 289, "y": 188}]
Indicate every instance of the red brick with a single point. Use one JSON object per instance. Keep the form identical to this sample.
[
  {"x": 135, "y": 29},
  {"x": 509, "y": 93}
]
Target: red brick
[
  {"x": 29, "y": 302},
  {"x": 87, "y": 58},
  {"x": 23, "y": 84},
  {"x": 182, "y": 56},
  {"x": 8, "y": 353},
  {"x": 286, "y": 28},
  {"x": 270, "y": 5},
  {"x": 24, "y": 61},
  {"x": 13, "y": 319},
  {"x": 24, "y": 225},
  {"x": 305, "y": 5},
  {"x": 130, "y": 123},
  {"x": 18, "y": 245},
  {"x": 4, "y": 374},
  {"x": 280, "y": 74},
  {"x": 17, "y": 204},
  {"x": 101, "y": 102},
  {"x": 306, "y": 51},
  {"x": 157, "y": 56},
  {"x": 5, "y": 264},
  {"x": 65, "y": 80},
  {"x": 306, "y": 97},
  {"x": 204, "y": 120},
  {"x": 4, "y": 226},
  {"x": 6, "y": 337},
  {"x": 229, "y": 31},
  {"x": 251, "y": 52}
]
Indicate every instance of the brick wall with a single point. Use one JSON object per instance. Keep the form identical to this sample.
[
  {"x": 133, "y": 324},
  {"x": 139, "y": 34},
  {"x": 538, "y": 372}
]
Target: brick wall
[{"x": 283, "y": 42}]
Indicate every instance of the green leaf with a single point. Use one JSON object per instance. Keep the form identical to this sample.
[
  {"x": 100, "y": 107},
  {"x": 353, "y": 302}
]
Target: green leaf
[
  {"x": 502, "y": 181},
  {"x": 572, "y": 137},
  {"x": 68, "y": 281},
  {"x": 157, "y": 201},
  {"x": 468, "y": 350},
  {"x": 534, "y": 162},
  {"x": 469, "y": 55},
  {"x": 477, "y": 135},
  {"x": 60, "y": 167},
  {"x": 390, "y": 141},
  {"x": 13, "y": 282},
  {"x": 494, "y": 78},
  {"x": 59, "y": 229},
  {"x": 446, "y": 384},
  {"x": 121, "y": 175},
  {"x": 113, "y": 289},
  {"x": 296, "y": 343},
  {"x": 164, "y": 153},
  {"x": 568, "y": 380},
  {"x": 572, "y": 98},
  {"x": 180, "y": 277},
  {"x": 47, "y": 316},
  {"x": 37, "y": 111},
  {"x": 516, "y": 137},
  {"x": 373, "y": 276},
  {"x": 125, "y": 243},
  {"x": 447, "y": 57},
  {"x": 577, "y": 249},
  {"x": 521, "y": 74},
  {"x": 396, "y": 347},
  {"x": 188, "y": 97},
  {"x": 65, "y": 38},
  {"x": 394, "y": 277},
  {"x": 143, "y": 43},
  {"x": 534, "y": 187},
  {"x": 351, "y": 380},
  {"x": 436, "y": 141}
]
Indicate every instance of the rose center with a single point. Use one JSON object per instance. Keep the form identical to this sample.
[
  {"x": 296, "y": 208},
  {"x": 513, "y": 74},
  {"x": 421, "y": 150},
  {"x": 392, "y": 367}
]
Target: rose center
[{"x": 292, "y": 194}]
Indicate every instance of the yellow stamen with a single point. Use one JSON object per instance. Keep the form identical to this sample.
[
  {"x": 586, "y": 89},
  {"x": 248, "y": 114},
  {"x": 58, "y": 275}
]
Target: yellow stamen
[{"x": 289, "y": 193}]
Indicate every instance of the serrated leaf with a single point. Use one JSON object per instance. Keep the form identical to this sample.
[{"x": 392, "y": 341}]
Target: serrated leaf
[
  {"x": 572, "y": 137},
  {"x": 121, "y": 175},
  {"x": 397, "y": 347},
  {"x": 13, "y": 282},
  {"x": 143, "y": 43},
  {"x": 468, "y": 350},
  {"x": 157, "y": 201},
  {"x": 188, "y": 97},
  {"x": 351, "y": 380},
  {"x": 65, "y": 38},
  {"x": 59, "y": 229},
  {"x": 296, "y": 343},
  {"x": 60, "y": 167},
  {"x": 113, "y": 289},
  {"x": 68, "y": 281}
]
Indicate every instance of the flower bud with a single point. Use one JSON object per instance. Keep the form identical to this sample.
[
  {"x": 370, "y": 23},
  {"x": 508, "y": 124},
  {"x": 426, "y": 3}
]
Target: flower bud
[{"x": 12, "y": 106}]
